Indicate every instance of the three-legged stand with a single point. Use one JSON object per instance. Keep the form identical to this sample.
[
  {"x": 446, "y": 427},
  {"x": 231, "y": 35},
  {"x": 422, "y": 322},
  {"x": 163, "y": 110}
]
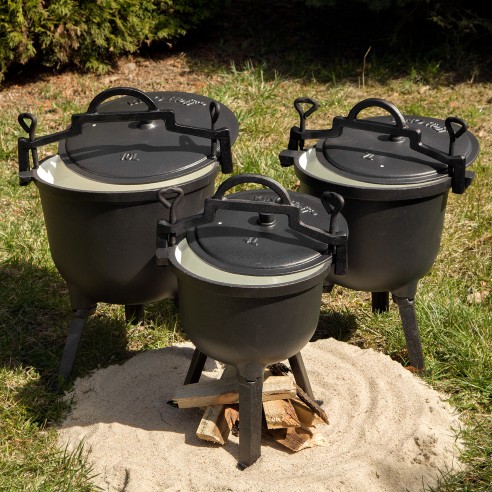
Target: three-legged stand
[
  {"x": 133, "y": 314},
  {"x": 380, "y": 303},
  {"x": 250, "y": 402}
]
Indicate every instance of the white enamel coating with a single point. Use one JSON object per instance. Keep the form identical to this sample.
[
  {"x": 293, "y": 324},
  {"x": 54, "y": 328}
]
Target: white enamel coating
[
  {"x": 53, "y": 171},
  {"x": 311, "y": 166},
  {"x": 192, "y": 263}
]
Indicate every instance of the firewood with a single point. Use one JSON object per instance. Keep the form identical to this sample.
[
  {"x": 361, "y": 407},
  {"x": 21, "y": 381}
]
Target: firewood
[
  {"x": 312, "y": 404},
  {"x": 225, "y": 392},
  {"x": 279, "y": 414},
  {"x": 214, "y": 426},
  {"x": 305, "y": 415},
  {"x": 297, "y": 438}
]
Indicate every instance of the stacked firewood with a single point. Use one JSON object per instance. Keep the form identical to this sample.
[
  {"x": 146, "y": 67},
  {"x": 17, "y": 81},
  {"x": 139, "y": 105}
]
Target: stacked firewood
[{"x": 291, "y": 417}]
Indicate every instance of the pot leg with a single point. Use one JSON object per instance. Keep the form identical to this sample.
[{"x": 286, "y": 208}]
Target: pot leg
[
  {"x": 71, "y": 345},
  {"x": 380, "y": 302},
  {"x": 300, "y": 374},
  {"x": 134, "y": 313},
  {"x": 411, "y": 330},
  {"x": 196, "y": 367},
  {"x": 250, "y": 416}
]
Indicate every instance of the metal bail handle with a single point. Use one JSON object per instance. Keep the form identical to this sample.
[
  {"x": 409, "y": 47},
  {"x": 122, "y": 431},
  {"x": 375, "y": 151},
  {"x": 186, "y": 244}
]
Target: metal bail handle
[
  {"x": 255, "y": 179},
  {"x": 379, "y": 103},
  {"x": 121, "y": 91}
]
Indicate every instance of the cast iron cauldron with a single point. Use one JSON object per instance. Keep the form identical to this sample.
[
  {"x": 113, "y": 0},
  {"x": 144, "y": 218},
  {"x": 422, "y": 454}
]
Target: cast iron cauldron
[
  {"x": 250, "y": 276},
  {"x": 394, "y": 173},
  {"x": 99, "y": 194}
]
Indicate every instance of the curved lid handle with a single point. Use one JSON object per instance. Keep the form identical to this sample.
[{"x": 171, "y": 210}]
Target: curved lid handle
[
  {"x": 253, "y": 178},
  {"x": 121, "y": 91},
  {"x": 378, "y": 103}
]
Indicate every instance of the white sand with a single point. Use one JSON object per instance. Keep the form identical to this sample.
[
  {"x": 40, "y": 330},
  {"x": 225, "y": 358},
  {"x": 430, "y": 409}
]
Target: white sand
[{"x": 388, "y": 430}]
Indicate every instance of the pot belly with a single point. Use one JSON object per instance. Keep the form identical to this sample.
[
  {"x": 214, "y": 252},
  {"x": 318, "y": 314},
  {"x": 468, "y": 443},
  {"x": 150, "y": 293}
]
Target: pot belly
[
  {"x": 391, "y": 244},
  {"x": 105, "y": 251},
  {"x": 248, "y": 332}
]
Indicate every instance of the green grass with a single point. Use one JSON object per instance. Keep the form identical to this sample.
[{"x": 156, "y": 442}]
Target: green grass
[{"x": 453, "y": 303}]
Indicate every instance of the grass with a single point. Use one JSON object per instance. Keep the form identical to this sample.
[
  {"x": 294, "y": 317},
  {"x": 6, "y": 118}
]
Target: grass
[{"x": 454, "y": 298}]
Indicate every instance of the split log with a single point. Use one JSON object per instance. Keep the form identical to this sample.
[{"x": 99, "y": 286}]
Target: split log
[
  {"x": 312, "y": 404},
  {"x": 280, "y": 414},
  {"x": 305, "y": 415},
  {"x": 298, "y": 438},
  {"x": 226, "y": 392},
  {"x": 214, "y": 425}
]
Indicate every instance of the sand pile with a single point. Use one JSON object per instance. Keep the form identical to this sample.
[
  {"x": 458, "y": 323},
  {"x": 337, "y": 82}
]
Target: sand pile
[{"x": 388, "y": 430}]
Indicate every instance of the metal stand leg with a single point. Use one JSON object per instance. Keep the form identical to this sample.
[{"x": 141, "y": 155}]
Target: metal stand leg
[
  {"x": 134, "y": 313},
  {"x": 380, "y": 302},
  {"x": 250, "y": 415},
  {"x": 411, "y": 330},
  {"x": 300, "y": 374},
  {"x": 71, "y": 345},
  {"x": 196, "y": 367}
]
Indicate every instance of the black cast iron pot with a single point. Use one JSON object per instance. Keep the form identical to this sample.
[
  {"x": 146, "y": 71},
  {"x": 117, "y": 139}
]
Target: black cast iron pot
[
  {"x": 250, "y": 271},
  {"x": 99, "y": 193},
  {"x": 395, "y": 173}
]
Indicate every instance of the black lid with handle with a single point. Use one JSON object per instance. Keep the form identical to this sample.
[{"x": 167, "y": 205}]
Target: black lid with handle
[
  {"x": 260, "y": 232},
  {"x": 139, "y": 137},
  {"x": 393, "y": 149}
]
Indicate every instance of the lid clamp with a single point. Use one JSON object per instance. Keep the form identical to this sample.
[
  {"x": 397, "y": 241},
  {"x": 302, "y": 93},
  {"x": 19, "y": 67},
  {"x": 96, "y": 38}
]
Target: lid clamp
[
  {"x": 298, "y": 134},
  {"x": 165, "y": 241},
  {"x": 398, "y": 129},
  {"x": 334, "y": 240},
  {"x": 25, "y": 174},
  {"x": 27, "y": 146}
]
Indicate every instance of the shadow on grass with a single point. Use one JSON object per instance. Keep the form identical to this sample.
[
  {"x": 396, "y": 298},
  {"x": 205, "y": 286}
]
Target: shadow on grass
[
  {"x": 331, "y": 45},
  {"x": 34, "y": 316},
  {"x": 335, "y": 324}
]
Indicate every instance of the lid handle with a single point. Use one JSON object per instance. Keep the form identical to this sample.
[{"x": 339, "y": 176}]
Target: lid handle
[
  {"x": 253, "y": 178},
  {"x": 379, "y": 103},
  {"x": 121, "y": 91}
]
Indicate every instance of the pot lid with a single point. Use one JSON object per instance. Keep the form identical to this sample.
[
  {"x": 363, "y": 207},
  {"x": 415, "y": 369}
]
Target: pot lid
[
  {"x": 263, "y": 232},
  {"x": 117, "y": 148},
  {"x": 374, "y": 157},
  {"x": 392, "y": 149}
]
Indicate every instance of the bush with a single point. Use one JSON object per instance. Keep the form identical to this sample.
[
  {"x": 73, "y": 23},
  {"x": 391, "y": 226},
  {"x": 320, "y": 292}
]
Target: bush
[
  {"x": 91, "y": 33},
  {"x": 423, "y": 24}
]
